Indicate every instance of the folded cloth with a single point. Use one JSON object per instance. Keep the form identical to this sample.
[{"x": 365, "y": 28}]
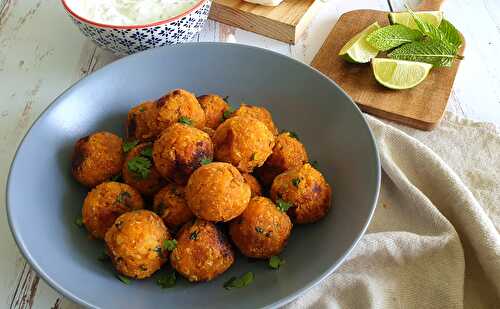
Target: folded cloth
[{"x": 434, "y": 240}]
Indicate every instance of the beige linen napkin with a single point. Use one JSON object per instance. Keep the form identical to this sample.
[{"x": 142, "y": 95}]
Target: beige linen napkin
[{"x": 434, "y": 240}]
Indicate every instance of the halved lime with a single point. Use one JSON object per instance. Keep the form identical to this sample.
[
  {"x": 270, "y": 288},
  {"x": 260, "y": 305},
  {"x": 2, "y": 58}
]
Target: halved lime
[
  {"x": 357, "y": 50},
  {"x": 405, "y": 18},
  {"x": 399, "y": 74}
]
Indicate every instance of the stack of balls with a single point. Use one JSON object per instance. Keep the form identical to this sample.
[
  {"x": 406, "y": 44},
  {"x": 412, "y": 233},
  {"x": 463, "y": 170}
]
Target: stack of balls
[{"x": 187, "y": 164}]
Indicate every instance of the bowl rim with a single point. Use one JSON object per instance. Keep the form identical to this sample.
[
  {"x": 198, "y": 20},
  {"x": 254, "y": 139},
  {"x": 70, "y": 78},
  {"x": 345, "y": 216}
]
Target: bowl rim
[
  {"x": 110, "y": 26},
  {"x": 278, "y": 303}
]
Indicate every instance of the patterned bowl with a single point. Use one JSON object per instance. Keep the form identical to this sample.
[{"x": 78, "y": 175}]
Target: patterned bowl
[{"x": 124, "y": 40}]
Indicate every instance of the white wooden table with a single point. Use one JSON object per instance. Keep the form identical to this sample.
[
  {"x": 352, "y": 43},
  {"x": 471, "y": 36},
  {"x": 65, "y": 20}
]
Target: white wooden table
[{"x": 42, "y": 53}]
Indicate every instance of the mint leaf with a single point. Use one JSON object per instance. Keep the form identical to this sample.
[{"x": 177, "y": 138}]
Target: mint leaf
[
  {"x": 147, "y": 152},
  {"x": 437, "y": 53},
  {"x": 389, "y": 37},
  {"x": 427, "y": 29},
  {"x": 170, "y": 244},
  {"x": 275, "y": 262},
  {"x": 450, "y": 33}
]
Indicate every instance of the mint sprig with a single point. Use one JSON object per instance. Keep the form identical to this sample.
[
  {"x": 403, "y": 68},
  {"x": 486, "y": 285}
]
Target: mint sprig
[{"x": 389, "y": 37}]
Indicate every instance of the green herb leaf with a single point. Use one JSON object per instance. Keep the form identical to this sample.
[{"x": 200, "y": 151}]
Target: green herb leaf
[
  {"x": 140, "y": 166},
  {"x": 122, "y": 197},
  {"x": 226, "y": 98},
  {"x": 282, "y": 205},
  {"x": 205, "y": 161},
  {"x": 167, "y": 281},
  {"x": 185, "y": 120},
  {"x": 293, "y": 134},
  {"x": 296, "y": 182},
  {"x": 227, "y": 114},
  {"x": 429, "y": 51},
  {"x": 314, "y": 164},
  {"x": 104, "y": 257},
  {"x": 169, "y": 244},
  {"x": 426, "y": 28},
  {"x": 123, "y": 279},
  {"x": 450, "y": 33},
  {"x": 129, "y": 145},
  {"x": 275, "y": 262},
  {"x": 239, "y": 282},
  {"x": 194, "y": 235},
  {"x": 79, "y": 222},
  {"x": 142, "y": 110},
  {"x": 117, "y": 178},
  {"x": 389, "y": 37},
  {"x": 147, "y": 152}
]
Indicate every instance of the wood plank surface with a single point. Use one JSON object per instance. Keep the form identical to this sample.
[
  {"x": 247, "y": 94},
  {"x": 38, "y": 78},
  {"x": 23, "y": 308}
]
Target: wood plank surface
[{"x": 285, "y": 22}]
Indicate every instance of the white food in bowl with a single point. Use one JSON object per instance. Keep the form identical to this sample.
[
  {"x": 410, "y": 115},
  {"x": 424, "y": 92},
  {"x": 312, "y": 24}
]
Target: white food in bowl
[{"x": 129, "y": 12}]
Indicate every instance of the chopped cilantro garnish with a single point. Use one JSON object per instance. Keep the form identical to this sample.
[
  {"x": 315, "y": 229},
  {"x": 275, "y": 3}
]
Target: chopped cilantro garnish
[
  {"x": 239, "y": 282},
  {"x": 104, "y": 257},
  {"x": 194, "y": 235},
  {"x": 227, "y": 114},
  {"x": 122, "y": 197},
  {"x": 147, "y": 152},
  {"x": 117, "y": 178},
  {"x": 140, "y": 166},
  {"x": 293, "y": 134},
  {"x": 282, "y": 205},
  {"x": 275, "y": 262},
  {"x": 79, "y": 222},
  {"x": 123, "y": 279},
  {"x": 296, "y": 182},
  {"x": 166, "y": 281},
  {"x": 169, "y": 244},
  {"x": 205, "y": 161},
  {"x": 185, "y": 120},
  {"x": 129, "y": 145},
  {"x": 142, "y": 109}
]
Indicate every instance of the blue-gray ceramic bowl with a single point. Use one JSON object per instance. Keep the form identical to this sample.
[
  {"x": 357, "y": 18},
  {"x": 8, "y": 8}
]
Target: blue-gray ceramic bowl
[{"x": 43, "y": 200}]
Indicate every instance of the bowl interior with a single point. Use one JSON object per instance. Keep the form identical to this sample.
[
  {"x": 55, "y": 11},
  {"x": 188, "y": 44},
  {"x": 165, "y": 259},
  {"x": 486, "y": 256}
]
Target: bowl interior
[{"x": 43, "y": 199}]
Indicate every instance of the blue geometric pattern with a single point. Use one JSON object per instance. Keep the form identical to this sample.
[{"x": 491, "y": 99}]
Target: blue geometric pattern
[{"x": 129, "y": 41}]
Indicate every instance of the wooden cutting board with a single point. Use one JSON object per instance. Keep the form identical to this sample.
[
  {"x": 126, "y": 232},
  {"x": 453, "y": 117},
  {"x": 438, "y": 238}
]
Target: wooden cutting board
[
  {"x": 421, "y": 107},
  {"x": 285, "y": 22}
]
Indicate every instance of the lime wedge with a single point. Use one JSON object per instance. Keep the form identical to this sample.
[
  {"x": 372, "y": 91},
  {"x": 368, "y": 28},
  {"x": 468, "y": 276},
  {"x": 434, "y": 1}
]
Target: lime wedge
[
  {"x": 399, "y": 74},
  {"x": 405, "y": 18},
  {"x": 357, "y": 50}
]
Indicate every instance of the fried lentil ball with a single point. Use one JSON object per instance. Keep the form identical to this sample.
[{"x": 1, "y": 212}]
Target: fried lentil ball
[
  {"x": 134, "y": 243},
  {"x": 306, "y": 189},
  {"x": 97, "y": 158},
  {"x": 288, "y": 152},
  {"x": 170, "y": 204},
  {"x": 259, "y": 113},
  {"x": 105, "y": 203},
  {"x": 180, "y": 150},
  {"x": 255, "y": 187},
  {"x": 214, "y": 107},
  {"x": 153, "y": 181},
  {"x": 202, "y": 251},
  {"x": 180, "y": 104},
  {"x": 143, "y": 123},
  {"x": 262, "y": 230},
  {"x": 217, "y": 192},
  {"x": 244, "y": 142}
]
